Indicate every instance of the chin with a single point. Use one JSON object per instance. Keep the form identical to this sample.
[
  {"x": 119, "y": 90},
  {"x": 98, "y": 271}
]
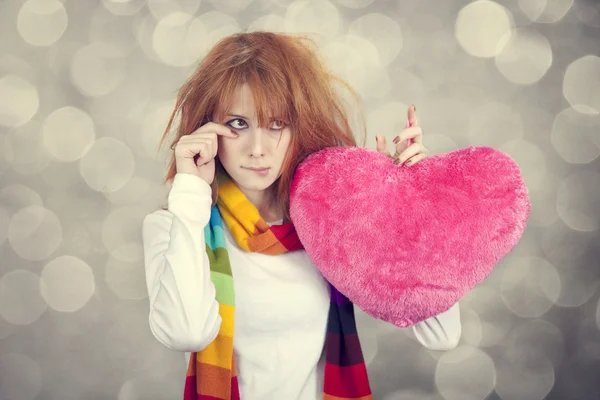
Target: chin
[{"x": 253, "y": 182}]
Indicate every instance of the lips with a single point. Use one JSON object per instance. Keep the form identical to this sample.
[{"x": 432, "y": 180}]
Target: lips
[{"x": 257, "y": 168}]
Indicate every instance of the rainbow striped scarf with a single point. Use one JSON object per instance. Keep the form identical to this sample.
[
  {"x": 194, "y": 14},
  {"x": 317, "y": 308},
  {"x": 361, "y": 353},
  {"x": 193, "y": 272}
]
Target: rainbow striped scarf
[{"x": 211, "y": 372}]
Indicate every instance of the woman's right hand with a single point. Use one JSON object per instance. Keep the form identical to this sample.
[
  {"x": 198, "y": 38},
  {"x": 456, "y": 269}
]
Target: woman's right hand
[{"x": 195, "y": 153}]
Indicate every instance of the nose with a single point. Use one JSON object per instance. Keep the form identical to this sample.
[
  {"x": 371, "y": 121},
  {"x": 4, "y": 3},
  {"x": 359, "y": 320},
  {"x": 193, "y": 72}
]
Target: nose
[{"x": 256, "y": 143}]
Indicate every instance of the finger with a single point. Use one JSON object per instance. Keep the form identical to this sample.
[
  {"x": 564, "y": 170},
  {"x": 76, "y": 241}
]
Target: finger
[
  {"x": 382, "y": 145},
  {"x": 400, "y": 146},
  {"x": 205, "y": 154},
  {"x": 218, "y": 129},
  {"x": 415, "y": 159},
  {"x": 413, "y": 121},
  {"x": 410, "y": 151},
  {"x": 409, "y": 133},
  {"x": 412, "y": 116}
]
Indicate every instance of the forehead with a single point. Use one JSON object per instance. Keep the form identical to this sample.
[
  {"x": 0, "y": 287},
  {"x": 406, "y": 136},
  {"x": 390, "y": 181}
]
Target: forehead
[{"x": 242, "y": 101}]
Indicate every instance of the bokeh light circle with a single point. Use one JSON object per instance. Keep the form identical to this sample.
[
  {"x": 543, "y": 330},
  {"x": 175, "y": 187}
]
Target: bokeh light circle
[
  {"x": 21, "y": 300},
  {"x": 318, "y": 17},
  {"x": 578, "y": 200},
  {"x": 42, "y": 22},
  {"x": 466, "y": 373},
  {"x": 382, "y": 31},
  {"x": 34, "y": 233},
  {"x": 530, "y": 286},
  {"x": 19, "y": 101},
  {"x": 68, "y": 133},
  {"x": 69, "y": 283},
  {"x": 581, "y": 84},
  {"x": 108, "y": 165},
  {"x": 525, "y": 57},
  {"x": 482, "y": 26}
]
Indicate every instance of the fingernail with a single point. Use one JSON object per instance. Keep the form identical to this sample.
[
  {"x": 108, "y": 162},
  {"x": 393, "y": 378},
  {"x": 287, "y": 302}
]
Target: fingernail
[
  {"x": 396, "y": 139},
  {"x": 414, "y": 107},
  {"x": 409, "y": 162},
  {"x": 377, "y": 138}
]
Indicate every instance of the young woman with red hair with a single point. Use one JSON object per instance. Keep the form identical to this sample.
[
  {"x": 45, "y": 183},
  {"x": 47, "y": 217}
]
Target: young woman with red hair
[{"x": 225, "y": 250}]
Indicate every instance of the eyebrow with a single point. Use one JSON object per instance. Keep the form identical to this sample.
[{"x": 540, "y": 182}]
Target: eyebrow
[{"x": 237, "y": 116}]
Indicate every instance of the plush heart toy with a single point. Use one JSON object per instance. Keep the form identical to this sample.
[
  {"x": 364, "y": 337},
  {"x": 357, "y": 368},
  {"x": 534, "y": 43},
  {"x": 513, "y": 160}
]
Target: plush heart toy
[{"x": 406, "y": 243}]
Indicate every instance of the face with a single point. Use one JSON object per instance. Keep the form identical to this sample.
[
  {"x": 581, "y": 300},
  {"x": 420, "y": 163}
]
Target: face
[{"x": 256, "y": 147}]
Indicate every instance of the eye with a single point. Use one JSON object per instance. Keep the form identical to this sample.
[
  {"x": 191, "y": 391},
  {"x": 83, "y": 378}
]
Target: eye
[
  {"x": 278, "y": 125},
  {"x": 235, "y": 123}
]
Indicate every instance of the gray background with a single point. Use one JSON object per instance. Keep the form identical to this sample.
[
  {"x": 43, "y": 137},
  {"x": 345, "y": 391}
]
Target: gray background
[{"x": 85, "y": 91}]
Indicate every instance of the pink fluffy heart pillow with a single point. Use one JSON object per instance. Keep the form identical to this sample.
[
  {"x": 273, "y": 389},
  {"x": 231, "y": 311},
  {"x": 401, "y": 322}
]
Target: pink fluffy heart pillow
[{"x": 406, "y": 243}]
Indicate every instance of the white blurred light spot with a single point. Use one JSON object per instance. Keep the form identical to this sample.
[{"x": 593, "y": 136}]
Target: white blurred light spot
[
  {"x": 154, "y": 123},
  {"x": 578, "y": 200},
  {"x": 578, "y": 285},
  {"x": 16, "y": 196},
  {"x": 162, "y": 8},
  {"x": 68, "y": 133},
  {"x": 19, "y": 101},
  {"x": 472, "y": 330},
  {"x": 531, "y": 161},
  {"x": 530, "y": 286},
  {"x": 20, "y": 377},
  {"x": 466, "y": 373},
  {"x": 320, "y": 17},
  {"x": 21, "y": 302},
  {"x": 494, "y": 124},
  {"x": 170, "y": 40},
  {"x": 383, "y": 32},
  {"x": 127, "y": 279},
  {"x": 539, "y": 336},
  {"x": 526, "y": 56},
  {"x": 123, "y": 7},
  {"x": 527, "y": 376},
  {"x": 208, "y": 29},
  {"x": 96, "y": 69},
  {"x": 581, "y": 84},
  {"x": 34, "y": 233},
  {"x": 495, "y": 318},
  {"x": 121, "y": 233},
  {"x": 545, "y": 11},
  {"x": 108, "y": 165},
  {"x": 356, "y": 60},
  {"x": 481, "y": 26},
  {"x": 69, "y": 283},
  {"x": 354, "y": 3},
  {"x": 270, "y": 23},
  {"x": 25, "y": 151},
  {"x": 230, "y": 6},
  {"x": 576, "y": 136},
  {"x": 42, "y": 22}
]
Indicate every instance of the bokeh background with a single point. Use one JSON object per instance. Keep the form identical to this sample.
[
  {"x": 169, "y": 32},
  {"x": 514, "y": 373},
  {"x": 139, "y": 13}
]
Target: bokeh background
[{"x": 86, "y": 87}]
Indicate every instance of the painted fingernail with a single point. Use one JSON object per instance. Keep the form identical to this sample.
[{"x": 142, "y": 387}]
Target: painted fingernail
[{"x": 396, "y": 139}]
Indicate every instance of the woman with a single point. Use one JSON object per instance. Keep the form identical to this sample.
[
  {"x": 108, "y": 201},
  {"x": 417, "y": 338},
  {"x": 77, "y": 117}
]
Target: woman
[{"x": 257, "y": 105}]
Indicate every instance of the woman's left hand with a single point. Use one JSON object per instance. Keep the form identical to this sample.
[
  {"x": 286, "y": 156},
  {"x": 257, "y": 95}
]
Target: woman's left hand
[{"x": 409, "y": 143}]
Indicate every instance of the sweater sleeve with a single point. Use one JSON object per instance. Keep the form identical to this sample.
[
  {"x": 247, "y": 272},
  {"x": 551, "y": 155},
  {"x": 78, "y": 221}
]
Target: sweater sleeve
[
  {"x": 440, "y": 332},
  {"x": 184, "y": 313}
]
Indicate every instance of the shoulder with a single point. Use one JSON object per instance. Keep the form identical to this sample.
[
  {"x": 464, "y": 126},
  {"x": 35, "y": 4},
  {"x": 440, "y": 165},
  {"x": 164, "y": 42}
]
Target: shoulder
[{"x": 158, "y": 220}]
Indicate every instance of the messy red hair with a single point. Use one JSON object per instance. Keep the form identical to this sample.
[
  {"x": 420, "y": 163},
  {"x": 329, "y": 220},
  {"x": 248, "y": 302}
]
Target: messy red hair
[{"x": 288, "y": 79}]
